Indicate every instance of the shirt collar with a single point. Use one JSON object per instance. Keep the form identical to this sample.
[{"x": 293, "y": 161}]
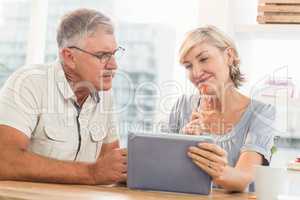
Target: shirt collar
[{"x": 64, "y": 86}]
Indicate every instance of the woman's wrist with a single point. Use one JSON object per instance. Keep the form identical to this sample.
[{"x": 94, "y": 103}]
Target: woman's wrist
[
  {"x": 221, "y": 180},
  {"x": 230, "y": 180}
]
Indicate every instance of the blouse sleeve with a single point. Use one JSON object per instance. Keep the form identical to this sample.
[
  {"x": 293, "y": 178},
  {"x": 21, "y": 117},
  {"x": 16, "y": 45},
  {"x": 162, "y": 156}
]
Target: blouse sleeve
[{"x": 260, "y": 136}]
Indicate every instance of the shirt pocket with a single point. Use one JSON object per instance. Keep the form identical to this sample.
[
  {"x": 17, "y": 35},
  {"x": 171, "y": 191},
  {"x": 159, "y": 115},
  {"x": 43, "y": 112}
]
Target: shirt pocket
[
  {"x": 55, "y": 134},
  {"x": 59, "y": 143},
  {"x": 96, "y": 138}
]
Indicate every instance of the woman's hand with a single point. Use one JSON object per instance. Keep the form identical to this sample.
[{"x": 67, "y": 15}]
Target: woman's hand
[
  {"x": 208, "y": 121},
  {"x": 209, "y": 157},
  {"x": 205, "y": 122},
  {"x": 195, "y": 126}
]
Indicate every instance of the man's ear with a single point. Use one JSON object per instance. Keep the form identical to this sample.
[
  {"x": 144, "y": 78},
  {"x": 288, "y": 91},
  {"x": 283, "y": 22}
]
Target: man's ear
[
  {"x": 68, "y": 57},
  {"x": 230, "y": 55}
]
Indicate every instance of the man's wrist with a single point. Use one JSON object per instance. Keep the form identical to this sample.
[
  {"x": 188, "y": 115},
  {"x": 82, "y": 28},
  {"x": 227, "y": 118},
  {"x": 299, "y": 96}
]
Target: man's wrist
[{"x": 91, "y": 173}]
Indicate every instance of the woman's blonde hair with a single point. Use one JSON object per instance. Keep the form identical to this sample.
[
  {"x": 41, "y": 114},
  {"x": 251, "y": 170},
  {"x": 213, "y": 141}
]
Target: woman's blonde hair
[{"x": 217, "y": 38}]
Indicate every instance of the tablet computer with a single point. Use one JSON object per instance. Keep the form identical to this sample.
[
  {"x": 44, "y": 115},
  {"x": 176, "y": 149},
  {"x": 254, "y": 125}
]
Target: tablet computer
[{"x": 160, "y": 162}]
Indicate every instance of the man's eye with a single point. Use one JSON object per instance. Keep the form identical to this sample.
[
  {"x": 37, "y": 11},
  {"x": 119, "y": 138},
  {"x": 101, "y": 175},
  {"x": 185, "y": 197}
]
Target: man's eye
[
  {"x": 107, "y": 55},
  {"x": 103, "y": 55}
]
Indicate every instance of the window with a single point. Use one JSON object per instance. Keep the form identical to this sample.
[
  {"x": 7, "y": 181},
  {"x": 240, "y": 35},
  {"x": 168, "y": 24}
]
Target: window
[
  {"x": 13, "y": 35},
  {"x": 151, "y": 43},
  {"x": 56, "y": 9}
]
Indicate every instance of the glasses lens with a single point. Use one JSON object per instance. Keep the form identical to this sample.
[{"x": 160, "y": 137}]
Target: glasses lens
[
  {"x": 116, "y": 56},
  {"x": 105, "y": 58},
  {"x": 119, "y": 53}
]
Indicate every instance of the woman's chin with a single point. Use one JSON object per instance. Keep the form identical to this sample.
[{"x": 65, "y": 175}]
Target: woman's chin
[
  {"x": 210, "y": 93},
  {"x": 206, "y": 89}
]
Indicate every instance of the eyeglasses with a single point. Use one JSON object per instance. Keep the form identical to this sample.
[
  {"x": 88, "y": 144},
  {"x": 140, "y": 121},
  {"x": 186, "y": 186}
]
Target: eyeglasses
[{"x": 104, "y": 57}]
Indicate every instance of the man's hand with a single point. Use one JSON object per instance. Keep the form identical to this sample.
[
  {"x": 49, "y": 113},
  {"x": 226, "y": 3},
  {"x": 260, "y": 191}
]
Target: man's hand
[{"x": 110, "y": 168}]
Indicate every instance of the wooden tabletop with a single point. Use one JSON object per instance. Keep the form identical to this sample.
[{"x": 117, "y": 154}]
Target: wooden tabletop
[{"x": 11, "y": 190}]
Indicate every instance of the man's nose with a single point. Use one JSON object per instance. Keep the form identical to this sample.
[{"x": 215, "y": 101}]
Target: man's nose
[{"x": 111, "y": 64}]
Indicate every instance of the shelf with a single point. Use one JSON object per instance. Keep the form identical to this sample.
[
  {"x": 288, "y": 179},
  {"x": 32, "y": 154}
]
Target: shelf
[
  {"x": 268, "y": 31},
  {"x": 289, "y": 136}
]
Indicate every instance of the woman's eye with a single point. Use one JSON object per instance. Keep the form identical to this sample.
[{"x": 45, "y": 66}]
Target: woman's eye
[
  {"x": 203, "y": 59},
  {"x": 187, "y": 66}
]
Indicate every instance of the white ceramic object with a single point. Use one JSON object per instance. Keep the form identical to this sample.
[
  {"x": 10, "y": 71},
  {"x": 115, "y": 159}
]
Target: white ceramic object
[{"x": 271, "y": 182}]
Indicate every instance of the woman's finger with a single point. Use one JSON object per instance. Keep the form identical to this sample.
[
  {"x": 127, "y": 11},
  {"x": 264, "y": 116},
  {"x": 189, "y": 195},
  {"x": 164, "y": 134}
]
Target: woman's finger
[
  {"x": 208, "y": 155},
  {"x": 217, "y": 167},
  {"x": 195, "y": 115},
  {"x": 208, "y": 170},
  {"x": 193, "y": 130},
  {"x": 210, "y": 116},
  {"x": 213, "y": 148},
  {"x": 194, "y": 127},
  {"x": 204, "y": 161}
]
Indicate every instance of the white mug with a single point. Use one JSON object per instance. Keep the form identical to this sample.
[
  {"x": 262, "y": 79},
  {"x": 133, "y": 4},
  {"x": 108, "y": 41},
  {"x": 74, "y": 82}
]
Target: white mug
[
  {"x": 270, "y": 182},
  {"x": 294, "y": 180}
]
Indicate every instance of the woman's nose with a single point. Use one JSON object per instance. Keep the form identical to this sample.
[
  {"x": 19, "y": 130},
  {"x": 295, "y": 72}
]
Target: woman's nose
[{"x": 196, "y": 72}]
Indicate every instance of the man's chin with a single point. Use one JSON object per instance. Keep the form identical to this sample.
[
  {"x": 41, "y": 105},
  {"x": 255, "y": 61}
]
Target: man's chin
[{"x": 105, "y": 87}]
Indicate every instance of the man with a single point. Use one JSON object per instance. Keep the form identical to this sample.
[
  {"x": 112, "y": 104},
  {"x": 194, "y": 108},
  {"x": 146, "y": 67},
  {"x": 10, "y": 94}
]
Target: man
[{"x": 56, "y": 122}]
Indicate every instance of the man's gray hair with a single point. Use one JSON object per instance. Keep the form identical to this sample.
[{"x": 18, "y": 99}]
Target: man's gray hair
[{"x": 81, "y": 23}]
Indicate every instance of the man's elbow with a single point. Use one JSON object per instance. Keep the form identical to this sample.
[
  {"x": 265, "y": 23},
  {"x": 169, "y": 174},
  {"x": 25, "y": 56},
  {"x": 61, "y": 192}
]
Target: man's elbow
[
  {"x": 5, "y": 173},
  {"x": 10, "y": 164}
]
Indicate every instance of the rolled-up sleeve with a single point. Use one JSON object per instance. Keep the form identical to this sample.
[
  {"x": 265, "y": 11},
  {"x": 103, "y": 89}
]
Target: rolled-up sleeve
[{"x": 260, "y": 136}]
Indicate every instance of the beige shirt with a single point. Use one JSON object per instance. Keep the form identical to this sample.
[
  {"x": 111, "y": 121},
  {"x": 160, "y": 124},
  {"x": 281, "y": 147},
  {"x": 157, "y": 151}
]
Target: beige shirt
[{"x": 38, "y": 101}]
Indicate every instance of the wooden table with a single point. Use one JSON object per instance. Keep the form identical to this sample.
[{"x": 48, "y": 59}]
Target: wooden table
[{"x": 12, "y": 190}]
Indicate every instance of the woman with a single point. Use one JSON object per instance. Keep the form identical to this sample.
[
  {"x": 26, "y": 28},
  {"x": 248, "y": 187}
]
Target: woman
[{"x": 241, "y": 126}]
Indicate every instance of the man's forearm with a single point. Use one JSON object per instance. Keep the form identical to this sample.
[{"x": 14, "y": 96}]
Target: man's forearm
[{"x": 27, "y": 166}]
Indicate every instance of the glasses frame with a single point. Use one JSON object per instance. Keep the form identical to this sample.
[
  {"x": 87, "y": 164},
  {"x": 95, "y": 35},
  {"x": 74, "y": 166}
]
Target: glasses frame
[{"x": 104, "y": 57}]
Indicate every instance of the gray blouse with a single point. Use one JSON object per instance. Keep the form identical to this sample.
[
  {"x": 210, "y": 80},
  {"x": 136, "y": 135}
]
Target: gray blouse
[{"x": 254, "y": 131}]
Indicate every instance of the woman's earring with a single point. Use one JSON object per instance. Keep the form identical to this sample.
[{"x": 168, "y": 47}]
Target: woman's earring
[{"x": 233, "y": 69}]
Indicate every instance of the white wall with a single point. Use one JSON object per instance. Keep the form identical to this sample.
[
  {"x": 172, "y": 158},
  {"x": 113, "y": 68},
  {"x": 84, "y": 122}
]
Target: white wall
[
  {"x": 217, "y": 13},
  {"x": 37, "y": 32}
]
